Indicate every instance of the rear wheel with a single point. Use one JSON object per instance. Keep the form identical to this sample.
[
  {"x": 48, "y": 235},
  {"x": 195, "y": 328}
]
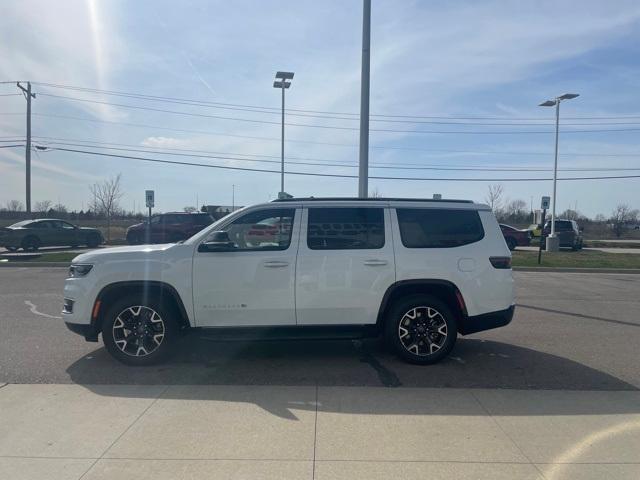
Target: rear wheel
[
  {"x": 511, "y": 243},
  {"x": 140, "y": 331},
  {"x": 31, "y": 244},
  {"x": 421, "y": 329},
  {"x": 93, "y": 240},
  {"x": 134, "y": 238}
]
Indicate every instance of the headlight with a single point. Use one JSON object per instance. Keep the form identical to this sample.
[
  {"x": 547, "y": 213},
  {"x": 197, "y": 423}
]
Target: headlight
[{"x": 79, "y": 269}]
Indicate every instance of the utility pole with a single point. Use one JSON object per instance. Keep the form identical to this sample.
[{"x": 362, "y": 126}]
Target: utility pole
[
  {"x": 363, "y": 170},
  {"x": 27, "y": 153},
  {"x": 233, "y": 198}
]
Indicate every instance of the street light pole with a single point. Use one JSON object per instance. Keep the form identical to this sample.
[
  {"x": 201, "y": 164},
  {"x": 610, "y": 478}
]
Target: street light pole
[
  {"x": 553, "y": 244},
  {"x": 281, "y": 83},
  {"x": 555, "y": 173},
  {"x": 282, "y": 145},
  {"x": 363, "y": 169}
]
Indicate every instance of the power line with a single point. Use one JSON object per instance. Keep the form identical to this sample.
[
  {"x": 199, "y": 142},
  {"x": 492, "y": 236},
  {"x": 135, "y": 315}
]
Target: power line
[
  {"x": 12, "y": 146},
  {"x": 328, "y": 163},
  {"x": 430, "y": 122},
  {"x": 431, "y": 132},
  {"x": 276, "y": 109},
  {"x": 226, "y": 167},
  {"x": 471, "y": 152}
]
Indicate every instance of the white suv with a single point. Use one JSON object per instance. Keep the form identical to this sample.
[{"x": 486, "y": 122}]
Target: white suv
[{"x": 420, "y": 272}]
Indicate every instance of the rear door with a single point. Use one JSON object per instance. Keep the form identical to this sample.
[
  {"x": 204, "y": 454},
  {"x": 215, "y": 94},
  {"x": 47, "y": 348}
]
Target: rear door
[{"x": 345, "y": 264}]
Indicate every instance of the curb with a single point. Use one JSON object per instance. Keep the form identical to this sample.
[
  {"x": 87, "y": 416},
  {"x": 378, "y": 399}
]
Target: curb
[
  {"x": 35, "y": 264},
  {"x": 577, "y": 270}
]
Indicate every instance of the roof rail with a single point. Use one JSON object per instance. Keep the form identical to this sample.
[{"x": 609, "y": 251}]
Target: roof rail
[{"x": 383, "y": 199}]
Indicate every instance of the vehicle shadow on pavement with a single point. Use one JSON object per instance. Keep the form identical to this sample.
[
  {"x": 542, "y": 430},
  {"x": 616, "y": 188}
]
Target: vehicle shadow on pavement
[{"x": 474, "y": 364}]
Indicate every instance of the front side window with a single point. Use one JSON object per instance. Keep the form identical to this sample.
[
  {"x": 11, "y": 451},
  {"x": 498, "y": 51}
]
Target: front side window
[
  {"x": 345, "y": 228},
  {"x": 438, "y": 228},
  {"x": 262, "y": 230}
]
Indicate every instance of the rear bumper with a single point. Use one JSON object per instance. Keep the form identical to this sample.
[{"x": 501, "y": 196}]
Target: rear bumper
[
  {"x": 486, "y": 321},
  {"x": 87, "y": 331}
]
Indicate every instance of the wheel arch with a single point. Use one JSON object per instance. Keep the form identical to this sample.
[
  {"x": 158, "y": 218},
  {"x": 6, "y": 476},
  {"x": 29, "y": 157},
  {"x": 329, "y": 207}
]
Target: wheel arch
[
  {"x": 445, "y": 290},
  {"x": 148, "y": 288}
]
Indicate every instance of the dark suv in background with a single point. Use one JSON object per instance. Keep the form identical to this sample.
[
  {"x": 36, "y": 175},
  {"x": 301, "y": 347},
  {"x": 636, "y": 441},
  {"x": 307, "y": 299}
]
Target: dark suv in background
[
  {"x": 168, "y": 227},
  {"x": 568, "y": 232}
]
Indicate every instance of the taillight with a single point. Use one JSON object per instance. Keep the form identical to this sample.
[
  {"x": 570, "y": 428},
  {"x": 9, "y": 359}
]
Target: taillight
[{"x": 500, "y": 262}]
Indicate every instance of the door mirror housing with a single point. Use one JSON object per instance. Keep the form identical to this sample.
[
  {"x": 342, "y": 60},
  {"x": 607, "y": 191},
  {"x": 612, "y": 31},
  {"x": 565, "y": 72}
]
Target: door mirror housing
[{"x": 218, "y": 242}]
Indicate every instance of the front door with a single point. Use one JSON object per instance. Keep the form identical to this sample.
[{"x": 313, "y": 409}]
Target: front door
[
  {"x": 345, "y": 265},
  {"x": 251, "y": 282}
]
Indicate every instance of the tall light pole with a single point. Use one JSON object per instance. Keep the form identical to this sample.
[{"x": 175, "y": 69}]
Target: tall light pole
[
  {"x": 363, "y": 169},
  {"x": 233, "y": 198},
  {"x": 553, "y": 243},
  {"x": 281, "y": 83}
]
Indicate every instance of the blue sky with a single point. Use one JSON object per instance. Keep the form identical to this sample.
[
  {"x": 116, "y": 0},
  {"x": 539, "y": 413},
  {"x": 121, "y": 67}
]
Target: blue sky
[{"x": 445, "y": 59}]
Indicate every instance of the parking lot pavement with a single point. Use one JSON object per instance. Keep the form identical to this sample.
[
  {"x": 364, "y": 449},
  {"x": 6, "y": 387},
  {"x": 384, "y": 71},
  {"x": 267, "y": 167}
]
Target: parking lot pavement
[{"x": 555, "y": 395}]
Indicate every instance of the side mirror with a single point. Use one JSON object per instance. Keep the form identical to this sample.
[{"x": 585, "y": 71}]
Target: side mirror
[{"x": 218, "y": 242}]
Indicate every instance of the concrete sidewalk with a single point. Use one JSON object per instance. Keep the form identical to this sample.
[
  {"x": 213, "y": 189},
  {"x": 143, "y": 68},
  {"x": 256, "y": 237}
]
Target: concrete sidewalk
[{"x": 304, "y": 432}]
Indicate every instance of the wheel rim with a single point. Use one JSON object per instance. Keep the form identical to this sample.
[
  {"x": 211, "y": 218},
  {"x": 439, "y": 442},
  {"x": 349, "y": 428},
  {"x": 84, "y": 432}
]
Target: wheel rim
[
  {"x": 138, "y": 331},
  {"x": 422, "y": 331}
]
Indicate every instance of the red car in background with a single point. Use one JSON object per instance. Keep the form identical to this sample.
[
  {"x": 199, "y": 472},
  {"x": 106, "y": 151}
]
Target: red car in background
[{"x": 515, "y": 237}]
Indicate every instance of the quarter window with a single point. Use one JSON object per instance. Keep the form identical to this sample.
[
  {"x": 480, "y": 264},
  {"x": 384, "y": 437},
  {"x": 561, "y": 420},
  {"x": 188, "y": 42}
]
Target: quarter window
[
  {"x": 438, "y": 228},
  {"x": 345, "y": 228}
]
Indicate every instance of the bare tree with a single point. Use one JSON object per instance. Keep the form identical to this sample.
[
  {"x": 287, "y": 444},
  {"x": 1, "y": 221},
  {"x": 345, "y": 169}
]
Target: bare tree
[
  {"x": 600, "y": 218},
  {"x": 375, "y": 193},
  {"x": 494, "y": 196},
  {"x": 190, "y": 209},
  {"x": 43, "y": 206},
  {"x": 59, "y": 208},
  {"x": 623, "y": 214},
  {"x": 107, "y": 195},
  {"x": 15, "y": 206},
  {"x": 516, "y": 208}
]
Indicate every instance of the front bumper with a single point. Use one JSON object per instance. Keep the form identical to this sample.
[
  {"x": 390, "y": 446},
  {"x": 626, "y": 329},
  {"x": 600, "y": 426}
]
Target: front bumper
[
  {"x": 486, "y": 321},
  {"x": 88, "y": 331}
]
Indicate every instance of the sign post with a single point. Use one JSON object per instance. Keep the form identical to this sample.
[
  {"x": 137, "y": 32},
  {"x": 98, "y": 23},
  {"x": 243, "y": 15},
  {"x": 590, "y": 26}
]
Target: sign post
[
  {"x": 150, "y": 199},
  {"x": 544, "y": 204}
]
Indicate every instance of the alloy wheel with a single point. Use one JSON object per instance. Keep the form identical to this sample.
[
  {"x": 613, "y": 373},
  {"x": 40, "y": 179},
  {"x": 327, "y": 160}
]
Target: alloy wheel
[
  {"x": 422, "y": 331},
  {"x": 138, "y": 331}
]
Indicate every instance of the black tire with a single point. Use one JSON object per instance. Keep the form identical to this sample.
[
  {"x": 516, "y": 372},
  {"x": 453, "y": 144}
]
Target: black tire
[
  {"x": 93, "y": 240},
  {"x": 119, "y": 313},
  {"x": 419, "y": 304},
  {"x": 30, "y": 243},
  {"x": 511, "y": 243},
  {"x": 134, "y": 238}
]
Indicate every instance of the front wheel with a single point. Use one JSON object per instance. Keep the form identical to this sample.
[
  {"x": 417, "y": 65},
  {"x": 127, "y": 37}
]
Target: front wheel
[
  {"x": 31, "y": 244},
  {"x": 93, "y": 241},
  {"x": 421, "y": 329},
  {"x": 139, "y": 331}
]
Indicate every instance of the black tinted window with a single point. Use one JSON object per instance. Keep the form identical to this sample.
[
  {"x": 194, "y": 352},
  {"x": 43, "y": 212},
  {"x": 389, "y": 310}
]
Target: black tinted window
[
  {"x": 202, "y": 219},
  {"x": 435, "y": 228},
  {"x": 345, "y": 228}
]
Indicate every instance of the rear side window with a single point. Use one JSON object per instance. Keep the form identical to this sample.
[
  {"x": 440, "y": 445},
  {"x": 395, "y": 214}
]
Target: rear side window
[
  {"x": 435, "y": 228},
  {"x": 345, "y": 228}
]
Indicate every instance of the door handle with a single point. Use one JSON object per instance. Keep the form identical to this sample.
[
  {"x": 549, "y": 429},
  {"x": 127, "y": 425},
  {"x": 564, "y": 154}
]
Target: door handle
[
  {"x": 375, "y": 262},
  {"x": 276, "y": 264}
]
